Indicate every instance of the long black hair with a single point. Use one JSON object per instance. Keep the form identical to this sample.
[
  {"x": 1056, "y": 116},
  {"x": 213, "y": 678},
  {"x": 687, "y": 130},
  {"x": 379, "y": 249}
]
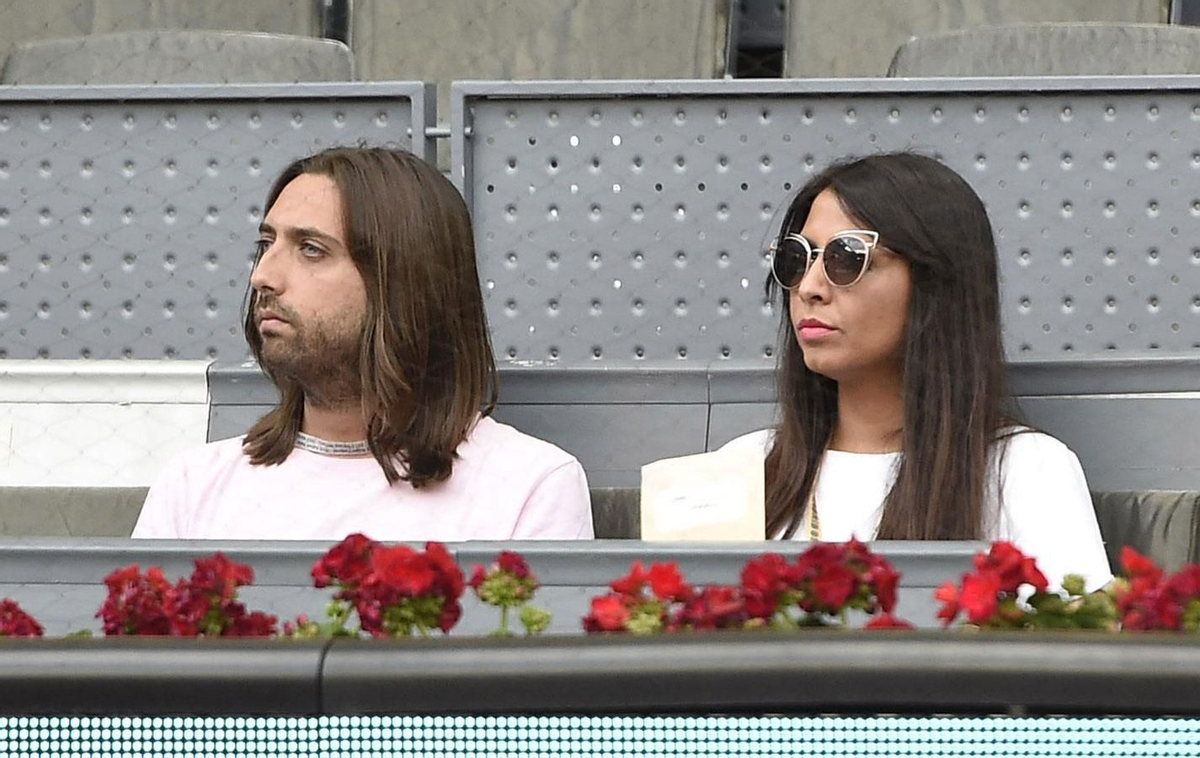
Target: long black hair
[{"x": 955, "y": 400}]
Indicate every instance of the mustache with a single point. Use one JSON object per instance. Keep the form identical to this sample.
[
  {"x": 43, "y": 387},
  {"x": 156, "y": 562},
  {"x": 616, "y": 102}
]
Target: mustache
[{"x": 270, "y": 303}]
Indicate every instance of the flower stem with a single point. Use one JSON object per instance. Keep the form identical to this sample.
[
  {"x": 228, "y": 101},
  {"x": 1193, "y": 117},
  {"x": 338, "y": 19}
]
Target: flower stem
[{"x": 504, "y": 620}]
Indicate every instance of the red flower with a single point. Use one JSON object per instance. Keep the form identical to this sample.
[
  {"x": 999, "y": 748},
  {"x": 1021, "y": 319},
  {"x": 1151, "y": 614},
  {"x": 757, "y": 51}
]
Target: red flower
[
  {"x": 820, "y": 556},
  {"x": 451, "y": 613},
  {"x": 220, "y": 577},
  {"x": 513, "y": 563},
  {"x": 478, "y": 575},
  {"x": 887, "y": 621},
  {"x": 256, "y": 624},
  {"x": 394, "y": 597},
  {"x": 947, "y": 595},
  {"x": 979, "y": 596},
  {"x": 401, "y": 569},
  {"x": 763, "y": 580},
  {"x": 631, "y": 584},
  {"x": 136, "y": 604},
  {"x": 609, "y": 614},
  {"x": 712, "y": 607},
  {"x": 449, "y": 576},
  {"x": 834, "y": 586},
  {"x": 886, "y": 580},
  {"x": 206, "y": 604},
  {"x": 15, "y": 622},
  {"x": 346, "y": 563},
  {"x": 1011, "y": 567},
  {"x": 1138, "y": 565},
  {"x": 667, "y": 583},
  {"x": 1151, "y": 601}
]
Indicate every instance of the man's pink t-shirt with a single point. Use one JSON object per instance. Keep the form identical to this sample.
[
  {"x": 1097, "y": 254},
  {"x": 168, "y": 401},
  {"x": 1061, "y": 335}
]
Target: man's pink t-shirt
[{"x": 505, "y": 485}]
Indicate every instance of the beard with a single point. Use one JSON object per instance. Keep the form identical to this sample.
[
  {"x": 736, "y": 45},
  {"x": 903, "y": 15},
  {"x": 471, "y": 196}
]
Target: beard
[{"x": 319, "y": 354}]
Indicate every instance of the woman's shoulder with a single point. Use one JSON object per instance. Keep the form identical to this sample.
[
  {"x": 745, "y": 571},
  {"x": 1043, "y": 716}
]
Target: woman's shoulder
[
  {"x": 758, "y": 440},
  {"x": 1022, "y": 446}
]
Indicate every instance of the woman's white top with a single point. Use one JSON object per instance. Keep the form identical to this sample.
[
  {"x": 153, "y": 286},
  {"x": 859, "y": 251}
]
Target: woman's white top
[{"x": 1045, "y": 507}]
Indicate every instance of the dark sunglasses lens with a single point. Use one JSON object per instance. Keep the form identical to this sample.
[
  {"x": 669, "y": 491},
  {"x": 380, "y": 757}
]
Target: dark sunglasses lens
[
  {"x": 844, "y": 260},
  {"x": 788, "y": 262}
]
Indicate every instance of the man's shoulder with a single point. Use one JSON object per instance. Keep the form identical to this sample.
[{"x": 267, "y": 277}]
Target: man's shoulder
[
  {"x": 210, "y": 456},
  {"x": 502, "y": 443}
]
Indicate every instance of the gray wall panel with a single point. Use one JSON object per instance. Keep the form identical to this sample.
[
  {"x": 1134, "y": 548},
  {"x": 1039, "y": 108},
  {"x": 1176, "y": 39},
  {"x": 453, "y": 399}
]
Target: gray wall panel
[
  {"x": 622, "y": 222},
  {"x": 1126, "y": 442},
  {"x": 129, "y": 213},
  {"x": 729, "y": 420}
]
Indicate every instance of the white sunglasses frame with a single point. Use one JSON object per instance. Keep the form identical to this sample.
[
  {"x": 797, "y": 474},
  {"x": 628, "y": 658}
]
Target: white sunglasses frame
[{"x": 866, "y": 236}]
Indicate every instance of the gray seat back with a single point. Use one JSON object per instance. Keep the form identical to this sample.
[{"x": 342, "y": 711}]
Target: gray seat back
[
  {"x": 1054, "y": 49},
  {"x": 1162, "y": 524},
  {"x": 179, "y": 57}
]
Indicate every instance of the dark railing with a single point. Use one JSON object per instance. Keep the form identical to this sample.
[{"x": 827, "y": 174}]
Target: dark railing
[{"x": 812, "y": 672}]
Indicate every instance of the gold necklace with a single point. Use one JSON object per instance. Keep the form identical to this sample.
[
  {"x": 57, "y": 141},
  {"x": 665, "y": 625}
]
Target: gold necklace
[{"x": 814, "y": 519}]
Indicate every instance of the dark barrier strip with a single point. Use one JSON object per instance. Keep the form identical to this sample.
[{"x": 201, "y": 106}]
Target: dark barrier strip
[
  {"x": 809, "y": 672},
  {"x": 153, "y": 676}
]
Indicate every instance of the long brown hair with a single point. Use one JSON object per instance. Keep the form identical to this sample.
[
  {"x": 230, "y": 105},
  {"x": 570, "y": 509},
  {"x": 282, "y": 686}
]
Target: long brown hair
[
  {"x": 425, "y": 360},
  {"x": 955, "y": 401}
]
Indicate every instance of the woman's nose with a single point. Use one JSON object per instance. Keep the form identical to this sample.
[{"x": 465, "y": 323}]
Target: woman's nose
[{"x": 813, "y": 285}]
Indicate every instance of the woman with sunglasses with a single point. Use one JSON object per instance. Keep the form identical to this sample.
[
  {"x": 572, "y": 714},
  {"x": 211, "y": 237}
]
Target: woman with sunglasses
[{"x": 894, "y": 420}]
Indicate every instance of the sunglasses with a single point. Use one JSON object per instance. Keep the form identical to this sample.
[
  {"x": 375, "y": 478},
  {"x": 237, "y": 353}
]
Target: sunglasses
[{"x": 844, "y": 257}]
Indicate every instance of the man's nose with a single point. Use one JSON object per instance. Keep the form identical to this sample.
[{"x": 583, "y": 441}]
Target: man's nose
[{"x": 267, "y": 275}]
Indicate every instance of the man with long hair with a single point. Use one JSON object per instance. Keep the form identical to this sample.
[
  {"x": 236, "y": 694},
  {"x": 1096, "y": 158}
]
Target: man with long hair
[{"x": 365, "y": 311}]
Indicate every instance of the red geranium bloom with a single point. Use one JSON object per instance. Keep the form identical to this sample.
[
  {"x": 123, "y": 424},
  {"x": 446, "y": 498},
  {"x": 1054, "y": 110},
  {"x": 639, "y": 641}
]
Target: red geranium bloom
[
  {"x": 449, "y": 575},
  {"x": 478, "y": 576},
  {"x": 401, "y": 569},
  {"x": 1011, "y": 567},
  {"x": 947, "y": 595},
  {"x": 136, "y": 603},
  {"x": 979, "y": 596},
  {"x": 885, "y": 579},
  {"x": 1138, "y": 565},
  {"x": 712, "y": 607},
  {"x": 609, "y": 614},
  {"x": 346, "y": 563},
  {"x": 631, "y": 584},
  {"x": 764, "y": 579},
  {"x": 667, "y": 583},
  {"x": 513, "y": 563},
  {"x": 834, "y": 586},
  {"x": 14, "y": 622}
]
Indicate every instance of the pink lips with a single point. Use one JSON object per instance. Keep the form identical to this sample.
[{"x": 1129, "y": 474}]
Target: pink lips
[
  {"x": 811, "y": 329},
  {"x": 270, "y": 320}
]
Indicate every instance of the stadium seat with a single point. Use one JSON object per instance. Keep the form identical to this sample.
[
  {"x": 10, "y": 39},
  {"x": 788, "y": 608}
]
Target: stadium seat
[
  {"x": 442, "y": 41},
  {"x": 179, "y": 57},
  {"x": 1057, "y": 49}
]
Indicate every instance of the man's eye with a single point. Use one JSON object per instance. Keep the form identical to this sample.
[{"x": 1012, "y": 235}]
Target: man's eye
[
  {"x": 260, "y": 246},
  {"x": 310, "y": 250}
]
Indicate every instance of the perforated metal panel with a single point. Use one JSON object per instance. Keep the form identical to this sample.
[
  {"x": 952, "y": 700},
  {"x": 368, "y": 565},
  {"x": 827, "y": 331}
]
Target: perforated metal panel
[
  {"x": 619, "y": 222},
  {"x": 127, "y": 215}
]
